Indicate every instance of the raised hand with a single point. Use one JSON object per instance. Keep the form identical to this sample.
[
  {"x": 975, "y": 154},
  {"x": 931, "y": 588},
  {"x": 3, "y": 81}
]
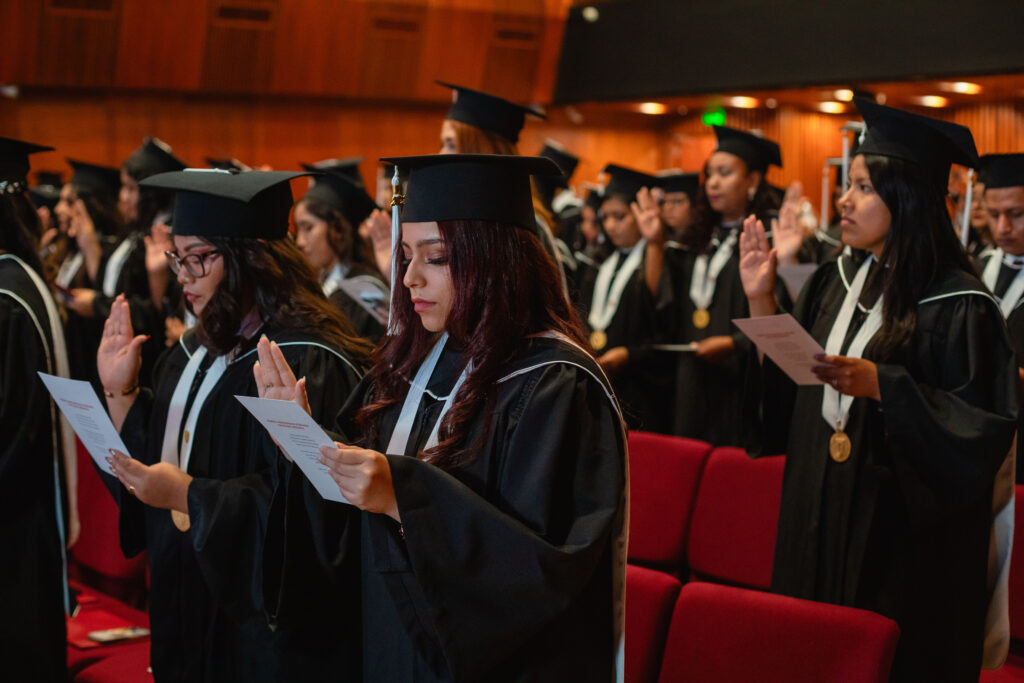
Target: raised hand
[
  {"x": 648, "y": 216},
  {"x": 81, "y": 227},
  {"x": 119, "y": 358},
  {"x": 157, "y": 242},
  {"x": 363, "y": 477},
  {"x": 274, "y": 377}
]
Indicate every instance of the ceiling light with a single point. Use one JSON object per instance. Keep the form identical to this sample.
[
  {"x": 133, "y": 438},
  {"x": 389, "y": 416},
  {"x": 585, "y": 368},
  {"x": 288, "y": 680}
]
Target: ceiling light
[
  {"x": 742, "y": 102},
  {"x": 652, "y": 108},
  {"x": 962, "y": 87},
  {"x": 931, "y": 101},
  {"x": 880, "y": 98},
  {"x": 771, "y": 103},
  {"x": 831, "y": 107},
  {"x": 843, "y": 95}
]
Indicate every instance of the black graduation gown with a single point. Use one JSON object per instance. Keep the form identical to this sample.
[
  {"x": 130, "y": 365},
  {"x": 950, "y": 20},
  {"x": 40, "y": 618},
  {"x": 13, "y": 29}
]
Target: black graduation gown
[
  {"x": 33, "y": 641},
  {"x": 364, "y": 324},
  {"x": 643, "y": 385},
  {"x": 502, "y": 569},
  {"x": 712, "y": 402},
  {"x": 206, "y": 610},
  {"x": 83, "y": 334},
  {"x": 902, "y": 527},
  {"x": 822, "y": 246}
]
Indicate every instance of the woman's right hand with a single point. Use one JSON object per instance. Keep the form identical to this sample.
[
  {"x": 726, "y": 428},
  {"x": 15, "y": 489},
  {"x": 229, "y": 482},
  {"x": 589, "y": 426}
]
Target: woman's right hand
[
  {"x": 274, "y": 377},
  {"x": 119, "y": 358},
  {"x": 757, "y": 260},
  {"x": 81, "y": 227},
  {"x": 648, "y": 217}
]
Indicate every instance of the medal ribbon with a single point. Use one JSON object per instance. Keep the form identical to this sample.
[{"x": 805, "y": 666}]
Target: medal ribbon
[
  {"x": 334, "y": 279},
  {"x": 705, "y": 275},
  {"x": 69, "y": 269},
  {"x": 835, "y": 407},
  {"x": 115, "y": 265},
  {"x": 608, "y": 292},
  {"x": 400, "y": 435},
  {"x": 1013, "y": 293},
  {"x": 176, "y": 410}
]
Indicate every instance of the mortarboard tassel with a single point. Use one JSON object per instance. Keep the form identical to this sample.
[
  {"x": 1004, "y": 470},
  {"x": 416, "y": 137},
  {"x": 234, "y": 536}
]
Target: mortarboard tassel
[
  {"x": 965, "y": 222},
  {"x": 396, "y": 201}
]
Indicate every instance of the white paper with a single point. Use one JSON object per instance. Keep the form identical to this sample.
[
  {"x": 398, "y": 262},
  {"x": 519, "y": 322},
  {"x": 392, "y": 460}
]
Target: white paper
[
  {"x": 790, "y": 346},
  {"x": 80, "y": 405},
  {"x": 692, "y": 346},
  {"x": 299, "y": 436}
]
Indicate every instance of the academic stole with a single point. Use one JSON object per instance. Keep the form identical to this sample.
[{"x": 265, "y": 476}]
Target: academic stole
[
  {"x": 608, "y": 292},
  {"x": 990, "y": 275},
  {"x": 61, "y": 433},
  {"x": 170, "y": 451},
  {"x": 835, "y": 407},
  {"x": 115, "y": 265},
  {"x": 705, "y": 279},
  {"x": 69, "y": 269},
  {"x": 400, "y": 435}
]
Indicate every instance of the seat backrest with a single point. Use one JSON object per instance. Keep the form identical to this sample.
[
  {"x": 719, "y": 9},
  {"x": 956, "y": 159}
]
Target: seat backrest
[
  {"x": 732, "y": 535},
  {"x": 721, "y": 633},
  {"x": 664, "y": 473},
  {"x": 1016, "y": 586},
  {"x": 650, "y": 597}
]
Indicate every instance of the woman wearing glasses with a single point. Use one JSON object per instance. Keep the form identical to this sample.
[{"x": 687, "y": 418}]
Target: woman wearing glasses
[{"x": 195, "y": 495}]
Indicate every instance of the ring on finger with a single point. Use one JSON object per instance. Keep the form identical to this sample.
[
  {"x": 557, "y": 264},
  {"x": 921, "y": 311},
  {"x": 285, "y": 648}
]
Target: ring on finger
[{"x": 131, "y": 490}]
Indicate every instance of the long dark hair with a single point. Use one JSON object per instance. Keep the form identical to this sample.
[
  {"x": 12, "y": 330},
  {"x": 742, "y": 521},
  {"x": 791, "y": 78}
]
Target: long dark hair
[
  {"x": 19, "y": 230},
  {"x": 341, "y": 235},
  {"x": 919, "y": 246},
  {"x": 273, "y": 276},
  {"x": 153, "y": 201},
  {"x": 764, "y": 205},
  {"x": 505, "y": 289}
]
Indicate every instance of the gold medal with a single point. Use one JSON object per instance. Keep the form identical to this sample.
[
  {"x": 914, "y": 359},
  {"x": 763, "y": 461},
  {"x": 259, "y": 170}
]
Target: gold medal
[
  {"x": 181, "y": 520},
  {"x": 839, "y": 446},
  {"x": 598, "y": 339},
  {"x": 701, "y": 318}
]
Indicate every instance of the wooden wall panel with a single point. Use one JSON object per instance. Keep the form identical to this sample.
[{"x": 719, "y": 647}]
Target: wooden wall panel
[
  {"x": 164, "y": 50},
  {"x": 392, "y": 45},
  {"x": 453, "y": 51},
  {"x": 317, "y": 47},
  {"x": 78, "y": 47},
  {"x": 240, "y": 40},
  {"x": 19, "y": 39}
]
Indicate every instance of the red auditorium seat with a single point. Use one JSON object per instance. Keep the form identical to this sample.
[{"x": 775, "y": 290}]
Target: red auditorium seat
[
  {"x": 97, "y": 557},
  {"x": 724, "y": 634},
  {"x": 95, "y": 609},
  {"x": 1013, "y": 669},
  {"x": 650, "y": 597},
  {"x": 664, "y": 475},
  {"x": 128, "y": 665},
  {"x": 732, "y": 535}
]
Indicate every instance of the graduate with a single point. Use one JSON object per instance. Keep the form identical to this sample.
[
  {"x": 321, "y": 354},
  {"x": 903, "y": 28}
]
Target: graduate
[
  {"x": 888, "y": 487},
  {"x": 196, "y": 495},
  {"x": 678, "y": 199},
  {"x": 1002, "y": 268},
  {"x": 620, "y": 325},
  {"x": 697, "y": 291},
  {"x": 37, "y": 460},
  {"x": 326, "y": 222},
  {"x": 485, "y": 448}
]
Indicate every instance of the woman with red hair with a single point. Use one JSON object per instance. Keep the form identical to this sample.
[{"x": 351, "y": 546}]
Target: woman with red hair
[{"x": 485, "y": 449}]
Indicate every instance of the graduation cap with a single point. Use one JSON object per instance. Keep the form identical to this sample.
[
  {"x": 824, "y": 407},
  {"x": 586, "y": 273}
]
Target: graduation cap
[
  {"x": 227, "y": 165},
  {"x": 46, "y": 192},
  {"x": 14, "y": 160},
  {"x": 932, "y": 144},
  {"x": 212, "y": 203},
  {"x": 154, "y": 156},
  {"x": 674, "y": 180},
  {"x": 626, "y": 181},
  {"x": 566, "y": 161},
  {"x": 95, "y": 179},
  {"x": 342, "y": 193},
  {"x": 595, "y": 196},
  {"x": 488, "y": 112},
  {"x": 757, "y": 152},
  {"x": 1002, "y": 170},
  {"x": 483, "y": 187},
  {"x": 348, "y": 167}
]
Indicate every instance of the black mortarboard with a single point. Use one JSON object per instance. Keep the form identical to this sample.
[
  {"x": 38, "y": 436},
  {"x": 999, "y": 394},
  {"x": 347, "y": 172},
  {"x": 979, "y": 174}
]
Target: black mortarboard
[
  {"x": 674, "y": 180},
  {"x": 566, "y": 161},
  {"x": 46, "y": 191},
  {"x": 757, "y": 152},
  {"x": 211, "y": 203},
  {"x": 227, "y": 165},
  {"x": 95, "y": 179},
  {"x": 152, "y": 157},
  {"x": 342, "y": 193},
  {"x": 1002, "y": 170},
  {"x": 483, "y": 187},
  {"x": 626, "y": 181},
  {"x": 488, "y": 112},
  {"x": 14, "y": 159},
  {"x": 595, "y": 196},
  {"x": 932, "y": 144},
  {"x": 348, "y": 167}
]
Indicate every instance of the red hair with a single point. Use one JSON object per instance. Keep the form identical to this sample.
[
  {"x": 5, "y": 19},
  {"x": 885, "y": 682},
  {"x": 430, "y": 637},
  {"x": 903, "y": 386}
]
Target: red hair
[{"x": 505, "y": 289}]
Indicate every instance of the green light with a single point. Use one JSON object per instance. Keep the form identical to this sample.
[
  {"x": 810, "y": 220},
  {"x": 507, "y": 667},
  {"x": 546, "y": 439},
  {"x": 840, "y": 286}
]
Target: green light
[{"x": 715, "y": 117}]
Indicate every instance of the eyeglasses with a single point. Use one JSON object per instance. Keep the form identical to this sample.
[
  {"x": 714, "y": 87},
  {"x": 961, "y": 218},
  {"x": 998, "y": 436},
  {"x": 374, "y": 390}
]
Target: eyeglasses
[{"x": 195, "y": 264}]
